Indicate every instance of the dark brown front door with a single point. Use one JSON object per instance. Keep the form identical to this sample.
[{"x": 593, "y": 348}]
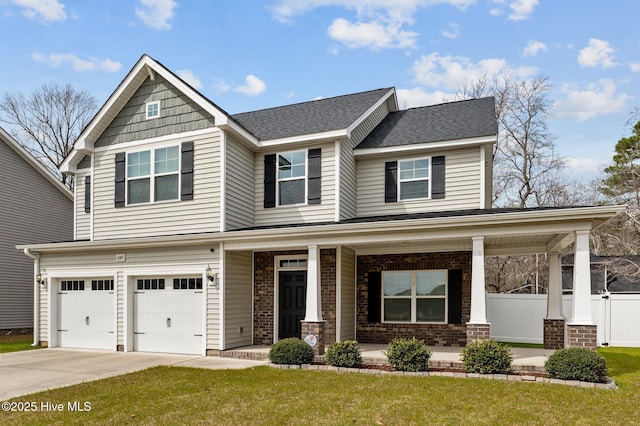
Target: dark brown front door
[{"x": 292, "y": 298}]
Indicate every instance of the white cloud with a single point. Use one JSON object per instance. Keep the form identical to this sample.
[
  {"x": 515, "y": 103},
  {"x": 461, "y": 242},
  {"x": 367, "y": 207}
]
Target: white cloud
[
  {"x": 156, "y": 13},
  {"x": 416, "y": 97},
  {"x": 534, "y": 47},
  {"x": 597, "y": 54},
  {"x": 635, "y": 66},
  {"x": 521, "y": 9},
  {"x": 375, "y": 35},
  {"x": 379, "y": 24},
  {"x": 597, "y": 99},
  {"x": 56, "y": 60},
  {"x": 452, "y": 31},
  {"x": 450, "y": 72},
  {"x": 45, "y": 11},
  {"x": 253, "y": 86},
  {"x": 190, "y": 78},
  {"x": 583, "y": 166}
]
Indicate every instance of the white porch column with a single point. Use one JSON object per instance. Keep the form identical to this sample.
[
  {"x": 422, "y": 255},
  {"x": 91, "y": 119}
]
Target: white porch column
[
  {"x": 478, "y": 301},
  {"x": 314, "y": 307},
  {"x": 581, "y": 281},
  {"x": 554, "y": 298}
]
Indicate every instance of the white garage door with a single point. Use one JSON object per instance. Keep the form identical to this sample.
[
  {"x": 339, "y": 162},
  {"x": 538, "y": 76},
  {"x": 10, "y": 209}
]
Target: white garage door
[
  {"x": 168, "y": 315},
  {"x": 86, "y": 314}
]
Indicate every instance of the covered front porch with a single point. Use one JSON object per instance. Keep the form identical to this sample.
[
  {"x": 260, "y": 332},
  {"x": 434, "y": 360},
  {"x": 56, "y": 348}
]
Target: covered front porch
[
  {"x": 338, "y": 265},
  {"x": 443, "y": 357}
]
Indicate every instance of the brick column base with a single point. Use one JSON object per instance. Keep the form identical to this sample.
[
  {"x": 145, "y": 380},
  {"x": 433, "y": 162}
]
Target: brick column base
[
  {"x": 582, "y": 336},
  {"x": 477, "y": 332},
  {"x": 314, "y": 334},
  {"x": 553, "y": 333}
]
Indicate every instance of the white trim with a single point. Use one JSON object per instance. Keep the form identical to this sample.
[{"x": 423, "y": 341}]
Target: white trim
[
  {"x": 152, "y": 174},
  {"x": 305, "y": 178},
  {"x": 459, "y": 143},
  {"x": 414, "y": 297},
  {"x": 383, "y": 99},
  {"x": 400, "y": 181},
  {"x": 307, "y": 138},
  {"x": 338, "y": 168},
  {"x": 146, "y": 110},
  {"x": 478, "y": 298},
  {"x": 75, "y": 212},
  {"x": 223, "y": 181},
  {"x": 338, "y": 306},
  {"x": 483, "y": 177},
  {"x": 221, "y": 299},
  {"x": 164, "y": 140},
  {"x": 92, "y": 191}
]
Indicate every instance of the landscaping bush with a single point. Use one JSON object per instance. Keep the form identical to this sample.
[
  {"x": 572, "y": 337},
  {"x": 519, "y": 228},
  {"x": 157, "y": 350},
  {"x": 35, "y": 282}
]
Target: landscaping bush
[
  {"x": 408, "y": 355},
  {"x": 343, "y": 354},
  {"x": 577, "y": 364},
  {"x": 487, "y": 357},
  {"x": 291, "y": 351}
]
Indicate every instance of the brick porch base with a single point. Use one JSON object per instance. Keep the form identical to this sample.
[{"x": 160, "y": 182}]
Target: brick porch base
[
  {"x": 314, "y": 334},
  {"x": 582, "y": 336},
  {"x": 477, "y": 332},
  {"x": 553, "y": 333}
]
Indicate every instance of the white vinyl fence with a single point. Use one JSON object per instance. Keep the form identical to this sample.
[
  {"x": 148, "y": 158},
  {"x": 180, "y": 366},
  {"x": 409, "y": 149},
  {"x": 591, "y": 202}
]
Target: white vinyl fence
[{"x": 519, "y": 317}]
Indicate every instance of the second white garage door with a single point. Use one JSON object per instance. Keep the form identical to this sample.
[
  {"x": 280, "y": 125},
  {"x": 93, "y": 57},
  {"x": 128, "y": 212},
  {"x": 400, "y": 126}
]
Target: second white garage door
[{"x": 168, "y": 315}]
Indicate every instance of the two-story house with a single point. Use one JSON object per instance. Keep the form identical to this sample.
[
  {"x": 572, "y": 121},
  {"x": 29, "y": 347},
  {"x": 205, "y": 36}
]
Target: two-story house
[
  {"x": 35, "y": 207},
  {"x": 197, "y": 231}
]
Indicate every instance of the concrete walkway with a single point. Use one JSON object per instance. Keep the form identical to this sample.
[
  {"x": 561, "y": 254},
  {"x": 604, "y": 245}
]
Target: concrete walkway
[{"x": 26, "y": 372}]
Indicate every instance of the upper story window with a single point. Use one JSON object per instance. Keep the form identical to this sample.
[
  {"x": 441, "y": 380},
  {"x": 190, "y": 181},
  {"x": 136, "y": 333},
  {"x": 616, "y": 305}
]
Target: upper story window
[
  {"x": 153, "y": 109},
  {"x": 415, "y": 296},
  {"x": 414, "y": 179},
  {"x": 153, "y": 172},
  {"x": 292, "y": 177}
]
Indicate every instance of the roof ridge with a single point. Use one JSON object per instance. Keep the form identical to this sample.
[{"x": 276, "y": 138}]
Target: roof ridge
[{"x": 449, "y": 103}]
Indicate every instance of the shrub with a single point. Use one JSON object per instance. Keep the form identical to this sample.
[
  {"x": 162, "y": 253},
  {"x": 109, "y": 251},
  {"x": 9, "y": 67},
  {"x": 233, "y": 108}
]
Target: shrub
[
  {"x": 577, "y": 364},
  {"x": 343, "y": 354},
  {"x": 486, "y": 357},
  {"x": 408, "y": 355},
  {"x": 291, "y": 351}
]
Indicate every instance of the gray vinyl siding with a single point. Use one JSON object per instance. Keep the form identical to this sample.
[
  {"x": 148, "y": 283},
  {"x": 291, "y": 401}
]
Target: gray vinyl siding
[
  {"x": 178, "y": 113},
  {"x": 239, "y": 193},
  {"x": 238, "y": 299},
  {"x": 347, "y": 294},
  {"x": 83, "y": 219},
  {"x": 202, "y": 214},
  {"x": 348, "y": 161},
  {"x": 462, "y": 185},
  {"x": 32, "y": 210},
  {"x": 139, "y": 262},
  {"x": 325, "y": 211}
]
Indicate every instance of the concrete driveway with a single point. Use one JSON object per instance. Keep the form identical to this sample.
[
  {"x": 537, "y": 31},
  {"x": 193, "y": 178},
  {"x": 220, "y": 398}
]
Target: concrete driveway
[{"x": 26, "y": 372}]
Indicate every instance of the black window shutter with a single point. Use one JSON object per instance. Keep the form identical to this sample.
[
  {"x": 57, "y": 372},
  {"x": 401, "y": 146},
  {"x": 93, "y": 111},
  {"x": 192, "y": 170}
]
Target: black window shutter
[
  {"x": 87, "y": 194},
  {"x": 313, "y": 192},
  {"x": 390, "y": 181},
  {"x": 437, "y": 177},
  {"x": 120, "y": 179},
  {"x": 269, "y": 181},
  {"x": 375, "y": 293},
  {"x": 454, "y": 295},
  {"x": 186, "y": 172}
]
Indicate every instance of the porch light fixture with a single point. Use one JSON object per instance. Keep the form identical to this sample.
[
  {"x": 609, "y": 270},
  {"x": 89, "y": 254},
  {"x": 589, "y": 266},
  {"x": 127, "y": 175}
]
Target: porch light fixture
[
  {"x": 211, "y": 277},
  {"x": 41, "y": 281}
]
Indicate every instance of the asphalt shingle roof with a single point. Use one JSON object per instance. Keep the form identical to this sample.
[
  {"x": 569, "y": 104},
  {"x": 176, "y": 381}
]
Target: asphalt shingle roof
[
  {"x": 317, "y": 116},
  {"x": 443, "y": 122}
]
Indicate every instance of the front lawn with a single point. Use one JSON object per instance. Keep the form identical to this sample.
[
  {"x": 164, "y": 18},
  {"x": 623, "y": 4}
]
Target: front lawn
[
  {"x": 20, "y": 342},
  {"x": 266, "y": 396}
]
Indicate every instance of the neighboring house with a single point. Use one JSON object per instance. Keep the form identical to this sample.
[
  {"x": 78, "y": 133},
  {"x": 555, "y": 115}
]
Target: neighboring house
[
  {"x": 609, "y": 274},
  {"x": 198, "y": 231},
  {"x": 35, "y": 208}
]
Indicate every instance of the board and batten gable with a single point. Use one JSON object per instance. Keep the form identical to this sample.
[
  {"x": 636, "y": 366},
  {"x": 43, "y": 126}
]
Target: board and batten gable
[
  {"x": 463, "y": 183},
  {"x": 302, "y": 213},
  {"x": 32, "y": 210},
  {"x": 201, "y": 214},
  {"x": 239, "y": 185}
]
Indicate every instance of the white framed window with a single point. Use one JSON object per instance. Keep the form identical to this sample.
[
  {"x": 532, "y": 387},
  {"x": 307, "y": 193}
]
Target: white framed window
[
  {"x": 153, "y": 109},
  {"x": 414, "y": 296},
  {"x": 154, "y": 172},
  {"x": 292, "y": 178},
  {"x": 414, "y": 178}
]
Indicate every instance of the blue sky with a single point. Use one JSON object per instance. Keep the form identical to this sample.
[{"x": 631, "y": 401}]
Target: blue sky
[{"x": 249, "y": 55}]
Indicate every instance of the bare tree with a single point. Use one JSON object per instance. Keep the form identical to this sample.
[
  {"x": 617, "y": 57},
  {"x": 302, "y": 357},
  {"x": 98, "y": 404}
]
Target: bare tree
[{"x": 48, "y": 121}]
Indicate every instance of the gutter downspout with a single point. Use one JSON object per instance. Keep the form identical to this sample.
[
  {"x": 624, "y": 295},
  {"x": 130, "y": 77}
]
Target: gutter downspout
[{"x": 36, "y": 296}]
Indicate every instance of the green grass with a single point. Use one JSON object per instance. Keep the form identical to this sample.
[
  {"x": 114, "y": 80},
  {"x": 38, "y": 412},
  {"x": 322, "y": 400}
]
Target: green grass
[
  {"x": 524, "y": 345},
  {"x": 20, "y": 342},
  {"x": 266, "y": 396}
]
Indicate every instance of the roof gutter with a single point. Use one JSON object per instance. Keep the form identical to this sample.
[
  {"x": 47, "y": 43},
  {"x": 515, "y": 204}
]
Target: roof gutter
[{"x": 36, "y": 296}]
